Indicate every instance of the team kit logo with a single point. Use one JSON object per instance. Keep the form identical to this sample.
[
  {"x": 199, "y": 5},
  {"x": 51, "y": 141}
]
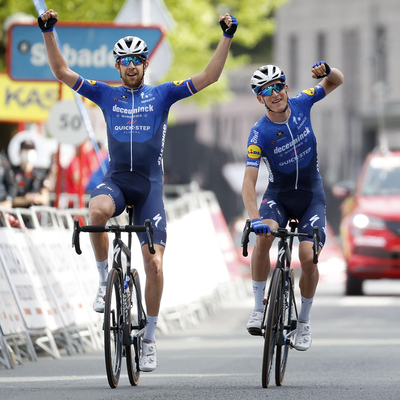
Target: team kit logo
[
  {"x": 310, "y": 91},
  {"x": 253, "y": 151}
]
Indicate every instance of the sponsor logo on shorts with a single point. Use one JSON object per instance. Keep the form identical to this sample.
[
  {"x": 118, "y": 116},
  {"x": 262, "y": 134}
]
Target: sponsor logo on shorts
[
  {"x": 157, "y": 219},
  {"x": 314, "y": 219}
]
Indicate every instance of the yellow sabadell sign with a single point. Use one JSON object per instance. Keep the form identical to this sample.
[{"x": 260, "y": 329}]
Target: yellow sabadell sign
[{"x": 27, "y": 101}]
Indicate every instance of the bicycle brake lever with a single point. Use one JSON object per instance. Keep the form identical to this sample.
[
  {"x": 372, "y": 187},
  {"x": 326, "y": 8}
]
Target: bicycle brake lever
[
  {"x": 149, "y": 232},
  {"x": 315, "y": 245},
  {"x": 75, "y": 237},
  {"x": 245, "y": 237}
]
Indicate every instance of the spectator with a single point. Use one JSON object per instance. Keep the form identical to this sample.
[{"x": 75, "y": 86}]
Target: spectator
[
  {"x": 8, "y": 187},
  {"x": 29, "y": 180},
  {"x": 81, "y": 168}
]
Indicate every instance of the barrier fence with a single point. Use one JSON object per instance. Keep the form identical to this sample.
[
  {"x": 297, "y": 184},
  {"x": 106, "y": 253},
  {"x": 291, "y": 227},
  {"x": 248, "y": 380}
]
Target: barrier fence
[{"x": 47, "y": 290}]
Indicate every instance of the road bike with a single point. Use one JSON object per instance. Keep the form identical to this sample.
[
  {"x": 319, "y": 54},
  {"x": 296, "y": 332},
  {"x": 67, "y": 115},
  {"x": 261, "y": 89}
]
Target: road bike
[
  {"x": 124, "y": 316},
  {"x": 280, "y": 312}
]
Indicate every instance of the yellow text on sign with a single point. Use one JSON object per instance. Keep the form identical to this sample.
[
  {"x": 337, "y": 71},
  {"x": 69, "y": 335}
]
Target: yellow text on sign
[{"x": 28, "y": 101}]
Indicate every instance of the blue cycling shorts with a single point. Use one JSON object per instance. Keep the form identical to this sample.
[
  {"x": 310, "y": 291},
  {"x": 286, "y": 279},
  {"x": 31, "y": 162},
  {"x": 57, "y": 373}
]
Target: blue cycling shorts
[
  {"x": 145, "y": 196},
  {"x": 307, "y": 207}
]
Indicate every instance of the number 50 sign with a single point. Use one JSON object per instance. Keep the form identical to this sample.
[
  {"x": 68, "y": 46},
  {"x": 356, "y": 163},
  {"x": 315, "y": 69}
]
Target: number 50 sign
[{"x": 65, "y": 123}]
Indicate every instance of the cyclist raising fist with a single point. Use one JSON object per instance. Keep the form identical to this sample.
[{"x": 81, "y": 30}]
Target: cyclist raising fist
[
  {"x": 136, "y": 117},
  {"x": 285, "y": 140}
]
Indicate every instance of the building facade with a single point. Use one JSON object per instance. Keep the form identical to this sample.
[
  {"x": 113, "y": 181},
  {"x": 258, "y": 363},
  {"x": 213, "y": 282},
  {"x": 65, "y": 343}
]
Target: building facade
[{"x": 360, "y": 37}]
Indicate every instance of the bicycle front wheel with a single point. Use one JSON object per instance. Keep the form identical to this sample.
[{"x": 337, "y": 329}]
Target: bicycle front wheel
[
  {"x": 271, "y": 326},
  {"x": 288, "y": 324},
  {"x": 113, "y": 333},
  {"x": 136, "y": 322}
]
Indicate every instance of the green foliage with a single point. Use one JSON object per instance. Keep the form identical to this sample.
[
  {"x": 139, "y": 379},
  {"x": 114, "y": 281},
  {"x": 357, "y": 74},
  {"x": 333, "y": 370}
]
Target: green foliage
[
  {"x": 197, "y": 33},
  {"x": 194, "y": 38}
]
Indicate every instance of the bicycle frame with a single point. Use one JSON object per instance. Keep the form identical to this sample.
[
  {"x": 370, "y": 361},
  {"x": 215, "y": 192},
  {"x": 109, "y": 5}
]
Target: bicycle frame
[
  {"x": 120, "y": 334},
  {"x": 119, "y": 248},
  {"x": 285, "y": 246},
  {"x": 280, "y": 310}
]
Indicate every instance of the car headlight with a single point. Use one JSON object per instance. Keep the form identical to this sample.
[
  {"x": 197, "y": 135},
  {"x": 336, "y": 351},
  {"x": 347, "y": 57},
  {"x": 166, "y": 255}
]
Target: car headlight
[{"x": 363, "y": 221}]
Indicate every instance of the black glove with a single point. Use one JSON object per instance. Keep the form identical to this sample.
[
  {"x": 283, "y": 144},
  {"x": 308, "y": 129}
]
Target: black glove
[
  {"x": 47, "y": 26},
  {"x": 228, "y": 32},
  {"x": 327, "y": 69}
]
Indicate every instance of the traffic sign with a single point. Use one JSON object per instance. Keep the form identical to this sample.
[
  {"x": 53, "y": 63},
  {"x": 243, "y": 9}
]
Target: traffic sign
[
  {"x": 87, "y": 49},
  {"x": 65, "y": 123}
]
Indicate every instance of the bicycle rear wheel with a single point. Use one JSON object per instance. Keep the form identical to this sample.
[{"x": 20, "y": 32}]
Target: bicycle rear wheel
[
  {"x": 271, "y": 326},
  {"x": 137, "y": 321},
  {"x": 113, "y": 333},
  {"x": 288, "y": 324}
]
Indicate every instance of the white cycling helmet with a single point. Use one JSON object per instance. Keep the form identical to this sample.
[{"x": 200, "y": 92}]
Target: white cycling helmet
[
  {"x": 130, "y": 46},
  {"x": 265, "y": 74}
]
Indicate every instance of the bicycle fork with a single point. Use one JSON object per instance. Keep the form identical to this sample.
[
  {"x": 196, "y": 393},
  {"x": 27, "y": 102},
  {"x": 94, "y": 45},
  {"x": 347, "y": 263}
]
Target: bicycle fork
[{"x": 286, "y": 325}]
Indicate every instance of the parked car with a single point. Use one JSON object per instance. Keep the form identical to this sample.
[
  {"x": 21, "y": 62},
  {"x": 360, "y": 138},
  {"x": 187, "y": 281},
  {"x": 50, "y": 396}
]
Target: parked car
[{"x": 370, "y": 224}]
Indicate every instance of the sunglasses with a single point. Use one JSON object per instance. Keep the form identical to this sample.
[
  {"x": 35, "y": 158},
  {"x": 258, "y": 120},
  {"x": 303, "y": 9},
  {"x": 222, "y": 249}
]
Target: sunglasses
[
  {"x": 268, "y": 90},
  {"x": 127, "y": 60}
]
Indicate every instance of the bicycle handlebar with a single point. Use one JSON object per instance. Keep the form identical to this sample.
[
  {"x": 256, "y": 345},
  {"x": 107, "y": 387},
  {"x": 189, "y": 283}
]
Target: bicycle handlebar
[
  {"x": 282, "y": 233},
  {"x": 147, "y": 227}
]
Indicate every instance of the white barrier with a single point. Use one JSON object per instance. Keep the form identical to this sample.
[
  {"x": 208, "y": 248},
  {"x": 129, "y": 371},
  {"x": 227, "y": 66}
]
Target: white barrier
[{"x": 47, "y": 290}]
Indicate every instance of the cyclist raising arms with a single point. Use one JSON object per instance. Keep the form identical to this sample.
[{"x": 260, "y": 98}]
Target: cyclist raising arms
[
  {"x": 284, "y": 139},
  {"x": 136, "y": 116}
]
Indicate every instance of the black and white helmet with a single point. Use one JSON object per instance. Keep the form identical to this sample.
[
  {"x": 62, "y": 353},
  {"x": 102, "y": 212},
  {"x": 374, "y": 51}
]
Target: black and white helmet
[
  {"x": 130, "y": 46},
  {"x": 265, "y": 74}
]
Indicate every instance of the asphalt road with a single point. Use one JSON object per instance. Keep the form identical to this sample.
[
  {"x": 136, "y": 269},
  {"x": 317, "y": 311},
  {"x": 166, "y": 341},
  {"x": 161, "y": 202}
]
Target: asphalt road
[{"x": 355, "y": 355}]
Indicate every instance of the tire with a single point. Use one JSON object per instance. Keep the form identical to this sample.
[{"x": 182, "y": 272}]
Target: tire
[
  {"x": 353, "y": 285},
  {"x": 271, "y": 326},
  {"x": 137, "y": 321},
  {"x": 113, "y": 331},
  {"x": 288, "y": 323}
]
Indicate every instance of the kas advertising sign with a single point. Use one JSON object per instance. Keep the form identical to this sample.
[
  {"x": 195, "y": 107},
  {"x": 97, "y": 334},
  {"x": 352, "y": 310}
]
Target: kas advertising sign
[{"x": 87, "y": 49}]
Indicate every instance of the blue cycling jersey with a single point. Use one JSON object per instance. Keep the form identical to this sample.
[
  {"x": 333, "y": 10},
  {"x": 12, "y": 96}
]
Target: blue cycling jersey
[
  {"x": 136, "y": 129},
  {"x": 289, "y": 149},
  {"x": 136, "y": 122}
]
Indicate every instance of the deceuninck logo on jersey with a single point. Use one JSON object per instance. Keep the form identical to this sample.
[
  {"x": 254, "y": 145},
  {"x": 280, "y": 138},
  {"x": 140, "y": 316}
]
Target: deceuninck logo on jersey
[
  {"x": 310, "y": 91},
  {"x": 253, "y": 151}
]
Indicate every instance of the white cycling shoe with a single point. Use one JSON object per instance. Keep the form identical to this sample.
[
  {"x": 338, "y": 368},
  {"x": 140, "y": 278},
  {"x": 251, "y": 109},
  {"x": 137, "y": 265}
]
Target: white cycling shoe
[
  {"x": 303, "y": 336},
  {"x": 148, "y": 359},
  {"x": 255, "y": 322},
  {"x": 100, "y": 298}
]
